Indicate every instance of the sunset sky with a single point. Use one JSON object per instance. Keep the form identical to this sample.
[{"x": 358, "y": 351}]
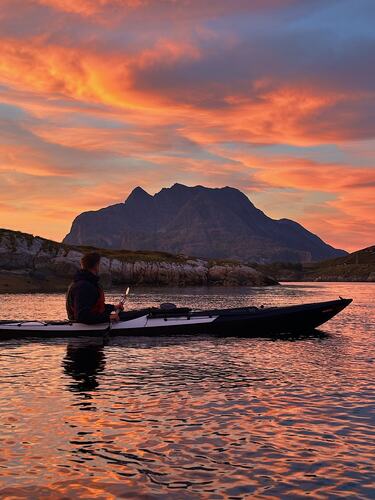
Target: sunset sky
[{"x": 274, "y": 97}]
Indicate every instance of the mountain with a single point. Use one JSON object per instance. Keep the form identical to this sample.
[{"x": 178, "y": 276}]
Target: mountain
[{"x": 199, "y": 221}]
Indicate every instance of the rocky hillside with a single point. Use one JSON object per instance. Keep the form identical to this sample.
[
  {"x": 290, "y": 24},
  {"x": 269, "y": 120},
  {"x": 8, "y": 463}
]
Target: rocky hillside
[
  {"x": 208, "y": 223},
  {"x": 357, "y": 266},
  {"x": 29, "y": 263}
]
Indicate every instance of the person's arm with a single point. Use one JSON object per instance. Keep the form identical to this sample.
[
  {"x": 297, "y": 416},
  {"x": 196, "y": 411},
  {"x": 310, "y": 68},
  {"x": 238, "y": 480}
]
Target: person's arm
[
  {"x": 110, "y": 307},
  {"x": 84, "y": 301}
]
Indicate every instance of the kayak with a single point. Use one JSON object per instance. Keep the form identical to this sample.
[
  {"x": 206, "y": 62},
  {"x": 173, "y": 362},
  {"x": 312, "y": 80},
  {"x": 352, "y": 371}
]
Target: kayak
[{"x": 171, "y": 320}]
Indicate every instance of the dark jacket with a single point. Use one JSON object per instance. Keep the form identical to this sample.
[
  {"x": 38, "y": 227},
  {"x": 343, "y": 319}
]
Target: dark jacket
[{"x": 85, "y": 300}]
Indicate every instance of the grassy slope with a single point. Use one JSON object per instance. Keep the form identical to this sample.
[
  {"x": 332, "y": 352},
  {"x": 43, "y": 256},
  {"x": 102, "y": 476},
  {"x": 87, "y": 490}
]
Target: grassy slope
[{"x": 355, "y": 266}]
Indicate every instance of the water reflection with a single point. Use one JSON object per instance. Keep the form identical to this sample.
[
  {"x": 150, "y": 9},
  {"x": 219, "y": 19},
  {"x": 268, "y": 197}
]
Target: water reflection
[
  {"x": 192, "y": 417},
  {"x": 84, "y": 363},
  {"x": 299, "y": 336}
]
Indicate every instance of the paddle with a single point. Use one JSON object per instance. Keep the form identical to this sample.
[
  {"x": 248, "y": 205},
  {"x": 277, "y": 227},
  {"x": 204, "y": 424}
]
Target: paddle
[
  {"x": 122, "y": 300},
  {"x": 117, "y": 310}
]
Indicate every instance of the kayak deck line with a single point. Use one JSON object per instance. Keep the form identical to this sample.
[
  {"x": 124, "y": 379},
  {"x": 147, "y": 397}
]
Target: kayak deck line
[{"x": 244, "y": 321}]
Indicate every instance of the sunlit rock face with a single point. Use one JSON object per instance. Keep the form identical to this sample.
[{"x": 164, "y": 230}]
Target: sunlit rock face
[
  {"x": 45, "y": 261},
  {"x": 207, "y": 223}
]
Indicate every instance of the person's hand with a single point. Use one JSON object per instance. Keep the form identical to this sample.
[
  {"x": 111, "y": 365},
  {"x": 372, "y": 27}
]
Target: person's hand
[
  {"x": 114, "y": 316},
  {"x": 119, "y": 306}
]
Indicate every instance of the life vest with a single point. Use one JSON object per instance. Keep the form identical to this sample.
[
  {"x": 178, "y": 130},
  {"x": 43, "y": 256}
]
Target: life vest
[{"x": 99, "y": 306}]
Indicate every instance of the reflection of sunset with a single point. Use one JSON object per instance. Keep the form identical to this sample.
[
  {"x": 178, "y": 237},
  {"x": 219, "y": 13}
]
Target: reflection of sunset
[
  {"x": 190, "y": 416},
  {"x": 97, "y": 96}
]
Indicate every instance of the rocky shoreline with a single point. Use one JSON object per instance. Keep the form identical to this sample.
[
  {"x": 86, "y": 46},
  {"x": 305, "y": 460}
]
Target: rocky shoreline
[{"x": 33, "y": 264}]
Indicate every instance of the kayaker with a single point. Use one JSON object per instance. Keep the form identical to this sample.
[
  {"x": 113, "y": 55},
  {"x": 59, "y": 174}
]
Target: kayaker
[{"x": 85, "y": 302}]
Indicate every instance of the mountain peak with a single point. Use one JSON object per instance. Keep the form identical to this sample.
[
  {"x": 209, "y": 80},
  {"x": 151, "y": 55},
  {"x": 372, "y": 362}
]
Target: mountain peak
[
  {"x": 177, "y": 185},
  {"x": 138, "y": 194}
]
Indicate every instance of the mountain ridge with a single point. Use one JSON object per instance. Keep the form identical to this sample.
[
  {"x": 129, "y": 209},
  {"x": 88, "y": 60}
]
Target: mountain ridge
[{"x": 200, "y": 221}]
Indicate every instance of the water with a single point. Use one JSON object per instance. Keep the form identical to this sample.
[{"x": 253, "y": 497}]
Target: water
[{"x": 187, "y": 418}]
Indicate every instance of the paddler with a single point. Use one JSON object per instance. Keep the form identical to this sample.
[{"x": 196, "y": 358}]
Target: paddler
[{"x": 85, "y": 301}]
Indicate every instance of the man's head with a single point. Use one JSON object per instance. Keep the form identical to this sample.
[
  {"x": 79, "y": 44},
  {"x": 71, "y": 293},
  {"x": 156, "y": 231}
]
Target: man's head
[{"x": 91, "y": 262}]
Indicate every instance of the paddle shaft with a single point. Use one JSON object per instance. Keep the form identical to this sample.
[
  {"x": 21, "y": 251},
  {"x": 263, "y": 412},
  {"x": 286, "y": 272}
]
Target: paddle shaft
[{"x": 123, "y": 299}]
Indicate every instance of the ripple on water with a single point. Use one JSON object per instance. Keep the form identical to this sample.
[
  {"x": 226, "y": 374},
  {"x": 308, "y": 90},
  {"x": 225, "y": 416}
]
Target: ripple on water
[{"x": 187, "y": 417}]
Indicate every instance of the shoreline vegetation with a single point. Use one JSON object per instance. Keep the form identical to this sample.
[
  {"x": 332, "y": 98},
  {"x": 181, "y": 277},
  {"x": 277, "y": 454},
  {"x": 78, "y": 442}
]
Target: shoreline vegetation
[{"x": 33, "y": 264}]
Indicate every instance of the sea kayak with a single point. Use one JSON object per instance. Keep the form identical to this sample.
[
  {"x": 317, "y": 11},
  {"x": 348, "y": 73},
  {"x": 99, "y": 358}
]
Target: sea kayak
[{"x": 172, "y": 320}]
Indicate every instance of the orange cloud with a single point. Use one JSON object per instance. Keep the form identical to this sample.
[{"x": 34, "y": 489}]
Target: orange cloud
[
  {"x": 277, "y": 116},
  {"x": 24, "y": 159},
  {"x": 165, "y": 8},
  {"x": 343, "y": 228},
  {"x": 307, "y": 174},
  {"x": 121, "y": 141},
  {"x": 90, "y": 7},
  {"x": 85, "y": 75},
  {"x": 114, "y": 80},
  {"x": 61, "y": 72}
]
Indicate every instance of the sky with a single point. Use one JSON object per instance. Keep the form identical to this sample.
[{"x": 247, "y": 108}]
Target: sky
[{"x": 273, "y": 97}]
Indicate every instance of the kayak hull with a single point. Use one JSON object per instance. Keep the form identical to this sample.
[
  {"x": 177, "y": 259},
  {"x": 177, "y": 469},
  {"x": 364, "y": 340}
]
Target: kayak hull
[{"x": 248, "y": 322}]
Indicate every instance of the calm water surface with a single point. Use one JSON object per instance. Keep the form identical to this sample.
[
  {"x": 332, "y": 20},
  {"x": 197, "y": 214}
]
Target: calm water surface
[{"x": 191, "y": 417}]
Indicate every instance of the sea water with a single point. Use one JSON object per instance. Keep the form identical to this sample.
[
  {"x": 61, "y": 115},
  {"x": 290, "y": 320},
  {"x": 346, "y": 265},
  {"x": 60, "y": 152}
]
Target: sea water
[{"x": 192, "y": 416}]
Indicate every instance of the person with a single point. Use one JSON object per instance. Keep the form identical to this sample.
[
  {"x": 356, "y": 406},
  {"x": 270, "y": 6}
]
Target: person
[{"x": 85, "y": 301}]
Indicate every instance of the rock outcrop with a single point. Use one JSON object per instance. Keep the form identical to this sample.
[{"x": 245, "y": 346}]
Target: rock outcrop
[
  {"x": 43, "y": 264},
  {"x": 208, "y": 223}
]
